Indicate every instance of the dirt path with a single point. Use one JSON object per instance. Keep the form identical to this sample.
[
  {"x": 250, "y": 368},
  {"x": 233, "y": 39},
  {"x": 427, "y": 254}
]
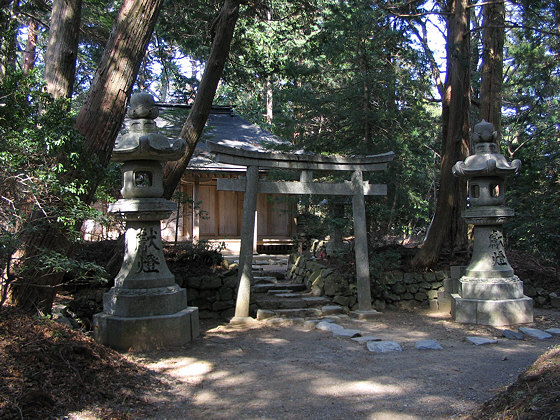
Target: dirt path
[{"x": 267, "y": 372}]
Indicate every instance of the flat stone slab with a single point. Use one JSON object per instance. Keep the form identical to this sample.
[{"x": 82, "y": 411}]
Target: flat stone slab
[
  {"x": 310, "y": 324},
  {"x": 478, "y": 341},
  {"x": 278, "y": 287},
  {"x": 535, "y": 333},
  {"x": 315, "y": 300},
  {"x": 284, "y": 322},
  {"x": 428, "y": 345},
  {"x": 328, "y": 326},
  {"x": 335, "y": 317},
  {"x": 297, "y": 313},
  {"x": 366, "y": 338},
  {"x": 383, "y": 346},
  {"x": 347, "y": 332},
  {"x": 288, "y": 295},
  {"x": 364, "y": 314},
  {"x": 553, "y": 331},
  {"x": 263, "y": 314},
  {"x": 331, "y": 309},
  {"x": 513, "y": 335}
]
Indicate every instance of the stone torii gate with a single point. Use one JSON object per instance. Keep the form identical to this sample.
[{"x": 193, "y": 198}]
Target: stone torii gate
[{"x": 306, "y": 163}]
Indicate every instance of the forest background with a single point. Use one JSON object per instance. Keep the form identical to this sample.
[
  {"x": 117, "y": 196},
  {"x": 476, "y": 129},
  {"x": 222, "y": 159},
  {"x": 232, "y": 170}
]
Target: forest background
[{"x": 330, "y": 76}]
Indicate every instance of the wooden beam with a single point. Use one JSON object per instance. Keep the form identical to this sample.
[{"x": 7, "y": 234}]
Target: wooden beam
[
  {"x": 297, "y": 165},
  {"x": 299, "y": 157},
  {"x": 297, "y": 188}
]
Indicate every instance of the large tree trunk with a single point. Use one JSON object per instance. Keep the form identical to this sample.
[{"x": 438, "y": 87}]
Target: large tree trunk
[
  {"x": 30, "y": 47},
  {"x": 493, "y": 34},
  {"x": 192, "y": 129},
  {"x": 100, "y": 118},
  {"x": 62, "y": 48},
  {"x": 448, "y": 230},
  {"x": 99, "y": 121},
  {"x": 8, "y": 34}
]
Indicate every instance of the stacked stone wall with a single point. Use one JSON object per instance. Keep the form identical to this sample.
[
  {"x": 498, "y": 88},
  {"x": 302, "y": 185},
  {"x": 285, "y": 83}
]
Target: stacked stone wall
[
  {"x": 214, "y": 295},
  {"x": 394, "y": 288}
]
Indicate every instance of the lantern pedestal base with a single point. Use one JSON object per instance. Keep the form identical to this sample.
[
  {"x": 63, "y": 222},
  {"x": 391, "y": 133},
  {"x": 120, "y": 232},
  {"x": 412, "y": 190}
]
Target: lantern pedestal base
[
  {"x": 147, "y": 332},
  {"x": 492, "y": 312}
]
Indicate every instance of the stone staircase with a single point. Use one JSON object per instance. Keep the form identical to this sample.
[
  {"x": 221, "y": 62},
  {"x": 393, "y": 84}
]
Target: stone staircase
[{"x": 277, "y": 298}]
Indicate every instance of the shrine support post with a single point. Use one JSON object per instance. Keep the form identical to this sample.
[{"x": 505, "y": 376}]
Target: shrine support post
[
  {"x": 360, "y": 243},
  {"x": 246, "y": 249}
]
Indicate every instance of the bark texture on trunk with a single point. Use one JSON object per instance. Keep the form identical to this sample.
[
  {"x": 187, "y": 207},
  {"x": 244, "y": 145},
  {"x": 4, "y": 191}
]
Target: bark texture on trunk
[
  {"x": 493, "y": 34},
  {"x": 8, "y": 35},
  {"x": 100, "y": 118},
  {"x": 448, "y": 230},
  {"x": 62, "y": 47},
  {"x": 192, "y": 129},
  {"x": 30, "y": 47}
]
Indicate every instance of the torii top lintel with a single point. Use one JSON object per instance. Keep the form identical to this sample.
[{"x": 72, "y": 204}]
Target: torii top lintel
[{"x": 309, "y": 162}]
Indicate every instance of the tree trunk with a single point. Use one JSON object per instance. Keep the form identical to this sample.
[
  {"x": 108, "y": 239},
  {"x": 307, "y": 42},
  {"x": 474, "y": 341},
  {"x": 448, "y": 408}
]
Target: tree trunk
[
  {"x": 493, "y": 34},
  {"x": 99, "y": 121},
  {"x": 30, "y": 47},
  {"x": 100, "y": 118},
  {"x": 269, "y": 103},
  {"x": 448, "y": 230},
  {"x": 8, "y": 35},
  {"x": 269, "y": 85},
  {"x": 192, "y": 129},
  {"x": 62, "y": 48}
]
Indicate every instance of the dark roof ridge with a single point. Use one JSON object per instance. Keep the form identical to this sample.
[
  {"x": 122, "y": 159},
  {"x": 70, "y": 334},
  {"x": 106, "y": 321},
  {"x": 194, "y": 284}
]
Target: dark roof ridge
[{"x": 216, "y": 109}]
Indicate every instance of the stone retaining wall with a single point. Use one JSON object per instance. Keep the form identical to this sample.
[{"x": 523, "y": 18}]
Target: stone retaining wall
[
  {"x": 392, "y": 288},
  {"x": 214, "y": 295}
]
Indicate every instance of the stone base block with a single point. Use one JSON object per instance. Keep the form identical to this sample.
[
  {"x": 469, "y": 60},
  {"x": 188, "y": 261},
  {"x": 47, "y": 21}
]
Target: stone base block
[
  {"x": 457, "y": 271},
  {"x": 451, "y": 285},
  {"x": 491, "y": 290},
  {"x": 492, "y": 312},
  {"x": 442, "y": 303},
  {"x": 144, "y": 302},
  {"x": 146, "y": 333}
]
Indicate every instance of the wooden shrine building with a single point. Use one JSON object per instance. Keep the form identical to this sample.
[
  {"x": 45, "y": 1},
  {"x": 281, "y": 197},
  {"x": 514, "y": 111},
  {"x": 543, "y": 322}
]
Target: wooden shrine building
[{"x": 218, "y": 214}]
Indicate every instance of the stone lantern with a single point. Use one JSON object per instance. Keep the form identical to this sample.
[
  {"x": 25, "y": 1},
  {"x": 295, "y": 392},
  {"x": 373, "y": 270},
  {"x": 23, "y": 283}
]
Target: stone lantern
[
  {"x": 145, "y": 308},
  {"x": 488, "y": 293}
]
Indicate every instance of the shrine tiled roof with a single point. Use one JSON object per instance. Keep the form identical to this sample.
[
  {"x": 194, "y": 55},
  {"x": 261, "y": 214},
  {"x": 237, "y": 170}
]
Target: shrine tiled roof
[{"x": 224, "y": 127}]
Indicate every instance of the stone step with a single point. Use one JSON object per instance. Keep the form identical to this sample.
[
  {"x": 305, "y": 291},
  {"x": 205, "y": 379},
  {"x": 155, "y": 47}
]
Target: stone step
[
  {"x": 275, "y": 302},
  {"x": 315, "y": 312},
  {"x": 288, "y": 313},
  {"x": 264, "y": 280},
  {"x": 281, "y": 287}
]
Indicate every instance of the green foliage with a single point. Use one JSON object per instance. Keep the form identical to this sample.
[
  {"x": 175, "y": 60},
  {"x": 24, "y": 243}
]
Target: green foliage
[
  {"x": 42, "y": 170},
  {"x": 382, "y": 260},
  {"x": 345, "y": 80},
  {"x": 531, "y": 127},
  {"x": 78, "y": 270},
  {"x": 202, "y": 253}
]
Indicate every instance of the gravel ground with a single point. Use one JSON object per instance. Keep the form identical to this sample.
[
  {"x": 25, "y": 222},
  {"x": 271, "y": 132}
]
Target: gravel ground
[{"x": 289, "y": 372}]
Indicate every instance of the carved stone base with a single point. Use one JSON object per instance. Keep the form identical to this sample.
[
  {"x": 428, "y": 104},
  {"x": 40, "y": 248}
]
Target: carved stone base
[
  {"x": 492, "y": 312},
  {"x": 148, "y": 332},
  {"x": 156, "y": 301}
]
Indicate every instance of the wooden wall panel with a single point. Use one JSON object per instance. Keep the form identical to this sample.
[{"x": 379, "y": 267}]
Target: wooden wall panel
[
  {"x": 187, "y": 211},
  {"x": 262, "y": 216},
  {"x": 279, "y": 216},
  {"x": 227, "y": 208},
  {"x": 208, "y": 219}
]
